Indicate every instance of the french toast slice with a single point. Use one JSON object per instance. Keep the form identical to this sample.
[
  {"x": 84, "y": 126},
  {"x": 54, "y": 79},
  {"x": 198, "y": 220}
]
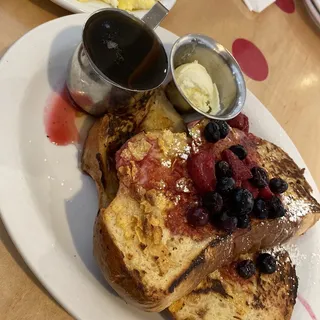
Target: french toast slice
[
  {"x": 224, "y": 295},
  {"x": 109, "y": 133},
  {"x": 142, "y": 241}
]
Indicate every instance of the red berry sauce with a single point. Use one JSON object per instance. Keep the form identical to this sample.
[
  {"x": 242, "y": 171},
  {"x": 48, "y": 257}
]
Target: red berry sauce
[{"x": 60, "y": 119}]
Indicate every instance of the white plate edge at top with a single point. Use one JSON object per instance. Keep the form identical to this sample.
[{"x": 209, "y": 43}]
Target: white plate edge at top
[
  {"x": 317, "y": 4},
  {"x": 91, "y": 6},
  {"x": 7, "y": 178}
]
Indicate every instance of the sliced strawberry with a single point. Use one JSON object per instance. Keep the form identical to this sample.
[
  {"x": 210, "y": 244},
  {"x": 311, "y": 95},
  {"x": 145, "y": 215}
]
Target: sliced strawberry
[
  {"x": 265, "y": 193},
  {"x": 241, "y": 122},
  {"x": 201, "y": 167},
  {"x": 248, "y": 185},
  {"x": 240, "y": 170}
]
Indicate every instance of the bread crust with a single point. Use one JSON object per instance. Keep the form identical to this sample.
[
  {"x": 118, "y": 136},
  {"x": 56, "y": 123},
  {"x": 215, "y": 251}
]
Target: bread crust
[{"x": 116, "y": 273}]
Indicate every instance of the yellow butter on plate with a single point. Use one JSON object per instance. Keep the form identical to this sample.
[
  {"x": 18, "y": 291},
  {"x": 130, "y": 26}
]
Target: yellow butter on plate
[{"x": 129, "y": 4}]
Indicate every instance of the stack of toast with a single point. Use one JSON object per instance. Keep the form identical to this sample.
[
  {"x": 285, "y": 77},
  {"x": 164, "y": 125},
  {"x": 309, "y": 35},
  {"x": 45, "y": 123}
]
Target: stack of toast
[
  {"x": 224, "y": 295},
  {"x": 143, "y": 243}
]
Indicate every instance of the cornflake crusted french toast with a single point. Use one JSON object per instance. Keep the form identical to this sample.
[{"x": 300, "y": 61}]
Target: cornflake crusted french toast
[
  {"x": 153, "y": 111},
  {"x": 167, "y": 229},
  {"x": 225, "y": 294}
]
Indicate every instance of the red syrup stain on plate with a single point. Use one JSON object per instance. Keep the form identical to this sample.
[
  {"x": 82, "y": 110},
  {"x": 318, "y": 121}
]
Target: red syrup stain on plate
[
  {"x": 60, "y": 119},
  {"x": 251, "y": 59},
  {"x": 287, "y": 6},
  {"x": 307, "y": 307}
]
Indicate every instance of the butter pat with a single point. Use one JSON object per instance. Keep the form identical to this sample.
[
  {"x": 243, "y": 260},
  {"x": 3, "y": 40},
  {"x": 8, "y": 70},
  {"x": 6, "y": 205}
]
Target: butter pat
[
  {"x": 196, "y": 84},
  {"x": 128, "y": 4},
  {"x": 131, "y": 4}
]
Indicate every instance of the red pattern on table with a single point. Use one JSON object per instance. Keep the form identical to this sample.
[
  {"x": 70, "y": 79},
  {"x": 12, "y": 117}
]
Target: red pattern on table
[
  {"x": 287, "y": 6},
  {"x": 251, "y": 59}
]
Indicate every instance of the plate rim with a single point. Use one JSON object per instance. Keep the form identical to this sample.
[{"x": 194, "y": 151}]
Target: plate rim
[
  {"x": 313, "y": 12},
  {"x": 316, "y": 3}
]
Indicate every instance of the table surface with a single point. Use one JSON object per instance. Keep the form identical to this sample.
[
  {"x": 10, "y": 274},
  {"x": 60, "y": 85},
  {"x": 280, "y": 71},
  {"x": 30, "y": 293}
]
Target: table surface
[{"x": 291, "y": 45}]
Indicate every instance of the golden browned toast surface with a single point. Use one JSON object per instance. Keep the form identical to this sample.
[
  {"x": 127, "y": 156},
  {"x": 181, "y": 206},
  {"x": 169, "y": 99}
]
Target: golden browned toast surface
[
  {"x": 224, "y": 295},
  {"x": 142, "y": 241}
]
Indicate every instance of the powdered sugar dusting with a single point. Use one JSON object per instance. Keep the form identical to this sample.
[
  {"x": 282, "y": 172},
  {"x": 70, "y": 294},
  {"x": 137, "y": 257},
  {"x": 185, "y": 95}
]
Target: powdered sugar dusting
[
  {"x": 162, "y": 184},
  {"x": 185, "y": 154},
  {"x": 297, "y": 257},
  {"x": 315, "y": 258},
  {"x": 195, "y": 134},
  {"x": 183, "y": 185},
  {"x": 177, "y": 199},
  {"x": 166, "y": 163},
  {"x": 297, "y": 208}
]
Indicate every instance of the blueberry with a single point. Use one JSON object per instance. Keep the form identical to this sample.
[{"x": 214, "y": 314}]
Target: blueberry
[
  {"x": 277, "y": 209},
  {"x": 225, "y": 185},
  {"x": 223, "y": 169},
  {"x": 227, "y": 222},
  {"x": 198, "y": 217},
  {"x": 277, "y": 185},
  {"x": 246, "y": 269},
  {"x": 266, "y": 263},
  {"x": 243, "y": 221},
  {"x": 239, "y": 151},
  {"x": 212, "y": 132},
  {"x": 242, "y": 201},
  {"x": 260, "y": 209},
  {"x": 212, "y": 201},
  {"x": 223, "y": 128},
  {"x": 260, "y": 177}
]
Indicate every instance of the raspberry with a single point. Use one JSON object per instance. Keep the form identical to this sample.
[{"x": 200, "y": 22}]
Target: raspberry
[
  {"x": 265, "y": 193},
  {"x": 247, "y": 185},
  {"x": 240, "y": 170},
  {"x": 201, "y": 167},
  {"x": 240, "y": 122},
  {"x": 249, "y": 163},
  {"x": 238, "y": 184}
]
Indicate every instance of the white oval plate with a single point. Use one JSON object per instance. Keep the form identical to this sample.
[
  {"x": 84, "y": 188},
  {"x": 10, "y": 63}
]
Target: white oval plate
[
  {"x": 49, "y": 206},
  {"x": 93, "y": 5}
]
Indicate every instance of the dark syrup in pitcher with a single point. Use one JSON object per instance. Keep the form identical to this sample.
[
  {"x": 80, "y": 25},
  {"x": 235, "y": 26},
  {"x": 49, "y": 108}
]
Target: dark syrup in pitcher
[{"x": 125, "y": 51}]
